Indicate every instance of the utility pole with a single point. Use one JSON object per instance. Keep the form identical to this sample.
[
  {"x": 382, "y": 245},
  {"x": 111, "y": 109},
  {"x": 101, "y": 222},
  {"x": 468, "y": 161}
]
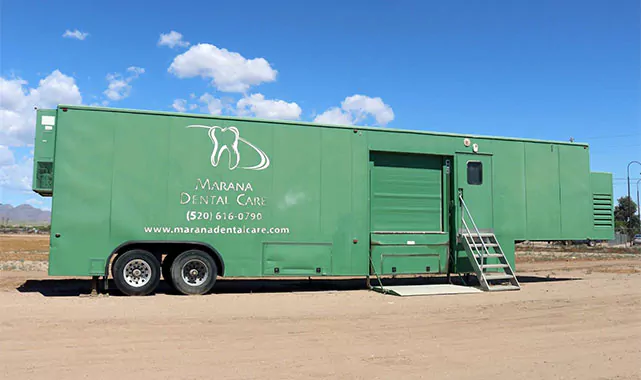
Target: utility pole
[
  {"x": 638, "y": 207},
  {"x": 628, "y": 171}
]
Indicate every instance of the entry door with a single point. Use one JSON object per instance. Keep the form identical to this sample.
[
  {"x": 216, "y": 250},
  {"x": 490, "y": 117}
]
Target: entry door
[
  {"x": 474, "y": 179},
  {"x": 409, "y": 229}
]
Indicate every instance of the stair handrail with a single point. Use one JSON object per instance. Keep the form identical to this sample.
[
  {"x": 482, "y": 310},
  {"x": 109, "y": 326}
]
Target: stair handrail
[{"x": 478, "y": 233}]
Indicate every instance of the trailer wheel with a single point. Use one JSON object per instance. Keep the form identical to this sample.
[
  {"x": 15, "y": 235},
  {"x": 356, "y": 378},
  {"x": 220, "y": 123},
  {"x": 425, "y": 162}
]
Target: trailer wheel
[
  {"x": 591, "y": 243},
  {"x": 136, "y": 272},
  {"x": 194, "y": 272}
]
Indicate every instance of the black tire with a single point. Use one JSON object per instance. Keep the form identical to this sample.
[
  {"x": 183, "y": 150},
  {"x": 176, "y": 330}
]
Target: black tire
[
  {"x": 591, "y": 243},
  {"x": 194, "y": 272},
  {"x": 136, "y": 272},
  {"x": 113, "y": 266}
]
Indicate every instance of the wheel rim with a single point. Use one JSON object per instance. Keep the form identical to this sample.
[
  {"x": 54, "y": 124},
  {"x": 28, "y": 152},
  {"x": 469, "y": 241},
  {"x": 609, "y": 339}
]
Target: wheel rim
[
  {"x": 137, "y": 273},
  {"x": 195, "y": 272}
]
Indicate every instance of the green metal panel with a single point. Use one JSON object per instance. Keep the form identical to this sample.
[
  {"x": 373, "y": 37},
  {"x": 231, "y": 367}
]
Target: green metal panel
[
  {"x": 142, "y": 167},
  {"x": 45, "y": 135},
  {"x": 433, "y": 254},
  {"x": 409, "y": 259},
  {"x": 543, "y": 205},
  {"x": 81, "y": 207},
  {"x": 360, "y": 208},
  {"x": 434, "y": 238},
  {"x": 125, "y": 175},
  {"x": 574, "y": 181},
  {"x": 406, "y": 193},
  {"x": 508, "y": 190},
  {"x": 297, "y": 259}
]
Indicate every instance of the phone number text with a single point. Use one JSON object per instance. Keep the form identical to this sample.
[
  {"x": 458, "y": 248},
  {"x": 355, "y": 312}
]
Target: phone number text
[{"x": 205, "y": 215}]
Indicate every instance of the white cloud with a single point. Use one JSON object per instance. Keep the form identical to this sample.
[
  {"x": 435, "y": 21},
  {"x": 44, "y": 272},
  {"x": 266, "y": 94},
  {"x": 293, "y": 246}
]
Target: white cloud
[
  {"x": 334, "y": 115},
  {"x": 361, "y": 106},
  {"x": 258, "y": 106},
  {"x": 212, "y": 105},
  {"x": 17, "y": 102},
  {"x": 119, "y": 86},
  {"x": 136, "y": 71},
  {"x": 180, "y": 105},
  {"x": 17, "y": 175},
  {"x": 12, "y": 94},
  {"x": 172, "y": 39},
  {"x": 78, "y": 35},
  {"x": 56, "y": 88},
  {"x": 229, "y": 71},
  {"x": 356, "y": 109},
  {"x": 6, "y": 156}
]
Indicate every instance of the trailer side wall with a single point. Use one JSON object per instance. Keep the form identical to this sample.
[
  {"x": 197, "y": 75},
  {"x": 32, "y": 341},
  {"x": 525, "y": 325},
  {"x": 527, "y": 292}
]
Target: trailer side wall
[{"x": 286, "y": 199}]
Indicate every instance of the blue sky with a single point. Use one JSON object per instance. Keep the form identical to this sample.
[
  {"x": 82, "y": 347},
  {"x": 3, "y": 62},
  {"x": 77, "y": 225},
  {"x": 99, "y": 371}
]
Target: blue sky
[{"x": 535, "y": 69}]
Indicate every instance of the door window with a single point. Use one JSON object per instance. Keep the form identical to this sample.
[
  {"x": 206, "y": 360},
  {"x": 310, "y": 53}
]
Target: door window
[{"x": 474, "y": 173}]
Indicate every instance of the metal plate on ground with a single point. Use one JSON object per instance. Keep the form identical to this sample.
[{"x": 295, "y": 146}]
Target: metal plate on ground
[{"x": 426, "y": 290}]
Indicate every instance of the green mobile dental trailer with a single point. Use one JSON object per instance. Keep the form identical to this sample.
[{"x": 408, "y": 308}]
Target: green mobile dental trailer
[{"x": 138, "y": 194}]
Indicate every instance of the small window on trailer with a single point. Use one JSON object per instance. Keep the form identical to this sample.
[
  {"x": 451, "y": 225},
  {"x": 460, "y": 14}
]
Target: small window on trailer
[{"x": 474, "y": 173}]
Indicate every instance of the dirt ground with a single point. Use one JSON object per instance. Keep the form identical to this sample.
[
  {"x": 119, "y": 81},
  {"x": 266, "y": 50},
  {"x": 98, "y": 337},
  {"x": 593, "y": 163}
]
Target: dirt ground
[{"x": 577, "y": 316}]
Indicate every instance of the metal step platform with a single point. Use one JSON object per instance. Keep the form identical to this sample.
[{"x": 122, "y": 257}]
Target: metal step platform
[
  {"x": 425, "y": 290},
  {"x": 481, "y": 247}
]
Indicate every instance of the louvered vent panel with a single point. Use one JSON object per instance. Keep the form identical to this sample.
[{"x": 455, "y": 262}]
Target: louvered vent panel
[{"x": 602, "y": 210}]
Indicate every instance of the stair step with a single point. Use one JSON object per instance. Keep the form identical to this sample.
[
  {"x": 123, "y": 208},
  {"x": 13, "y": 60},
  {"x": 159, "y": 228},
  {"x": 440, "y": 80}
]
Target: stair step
[
  {"x": 498, "y": 277},
  {"x": 479, "y": 245},
  {"x": 498, "y": 288},
  {"x": 490, "y": 255},
  {"x": 482, "y": 234},
  {"x": 488, "y": 266}
]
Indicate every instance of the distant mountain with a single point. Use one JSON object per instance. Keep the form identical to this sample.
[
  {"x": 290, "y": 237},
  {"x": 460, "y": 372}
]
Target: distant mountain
[{"x": 23, "y": 214}]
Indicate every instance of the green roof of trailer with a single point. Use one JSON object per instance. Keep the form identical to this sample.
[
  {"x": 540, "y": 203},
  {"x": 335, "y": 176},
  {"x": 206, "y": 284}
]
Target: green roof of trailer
[{"x": 309, "y": 124}]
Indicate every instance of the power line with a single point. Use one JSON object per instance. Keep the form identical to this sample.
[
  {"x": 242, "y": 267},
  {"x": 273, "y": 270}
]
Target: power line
[
  {"x": 602, "y": 152},
  {"x": 616, "y": 146},
  {"x": 610, "y": 136}
]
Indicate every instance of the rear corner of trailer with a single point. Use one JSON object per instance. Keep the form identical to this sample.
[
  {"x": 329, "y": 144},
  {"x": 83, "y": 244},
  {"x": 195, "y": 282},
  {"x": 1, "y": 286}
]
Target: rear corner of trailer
[{"x": 43, "y": 152}]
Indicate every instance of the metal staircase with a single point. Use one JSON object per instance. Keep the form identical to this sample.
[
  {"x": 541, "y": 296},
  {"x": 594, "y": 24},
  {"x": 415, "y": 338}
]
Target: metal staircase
[{"x": 484, "y": 251}]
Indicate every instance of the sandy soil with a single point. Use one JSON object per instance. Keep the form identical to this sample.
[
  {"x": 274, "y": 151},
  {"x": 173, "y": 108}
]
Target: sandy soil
[
  {"x": 24, "y": 244},
  {"x": 24, "y": 252},
  {"x": 573, "y": 319}
]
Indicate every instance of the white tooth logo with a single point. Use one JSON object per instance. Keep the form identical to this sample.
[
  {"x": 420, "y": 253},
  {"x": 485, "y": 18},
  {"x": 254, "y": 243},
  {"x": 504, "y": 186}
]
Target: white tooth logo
[
  {"x": 232, "y": 149},
  {"x": 234, "y": 157}
]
